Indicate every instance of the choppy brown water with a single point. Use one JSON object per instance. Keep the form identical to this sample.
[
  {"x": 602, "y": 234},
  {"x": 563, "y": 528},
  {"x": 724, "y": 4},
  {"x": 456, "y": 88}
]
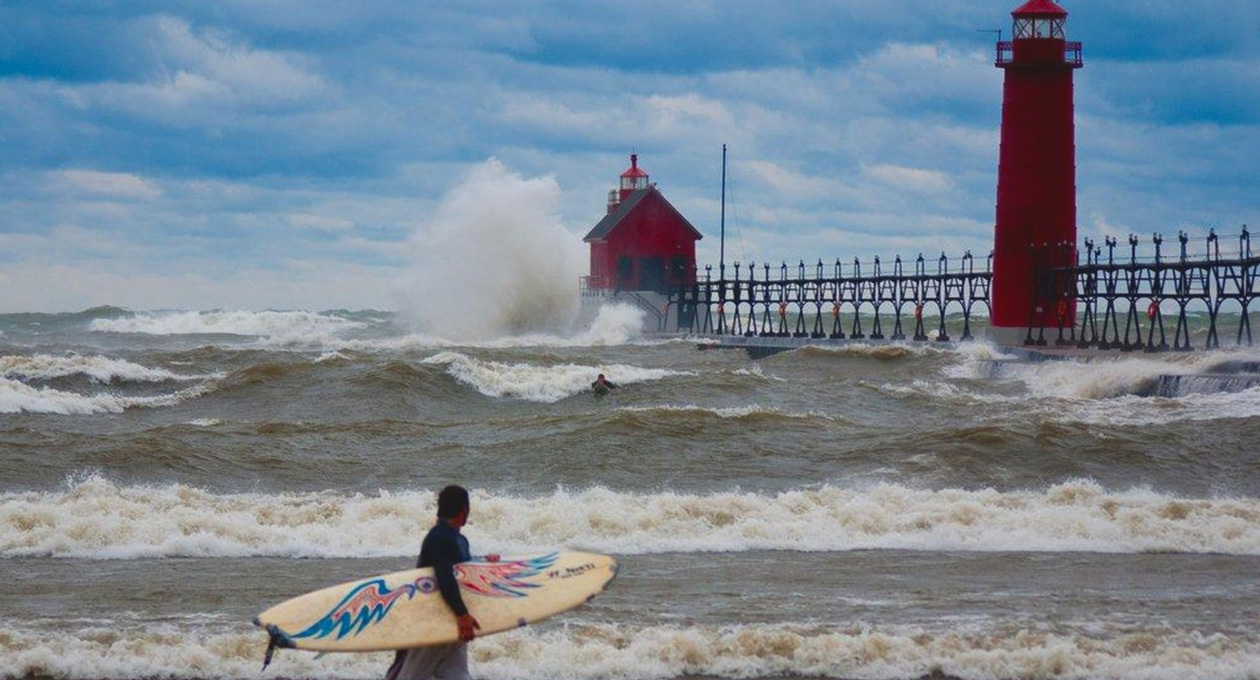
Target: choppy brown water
[{"x": 869, "y": 512}]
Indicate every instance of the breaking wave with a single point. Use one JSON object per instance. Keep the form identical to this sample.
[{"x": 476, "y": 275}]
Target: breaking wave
[
  {"x": 96, "y": 518},
  {"x": 18, "y": 397},
  {"x": 1105, "y": 391},
  {"x": 1108, "y": 378},
  {"x": 294, "y": 326},
  {"x": 1120, "y": 411},
  {"x": 532, "y": 382},
  {"x": 658, "y": 652},
  {"x": 527, "y": 262},
  {"x": 98, "y": 368},
  {"x": 613, "y": 325}
]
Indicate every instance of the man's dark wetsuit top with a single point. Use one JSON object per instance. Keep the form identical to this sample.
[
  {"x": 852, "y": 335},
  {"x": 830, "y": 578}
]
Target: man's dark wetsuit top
[
  {"x": 606, "y": 383},
  {"x": 442, "y": 549}
]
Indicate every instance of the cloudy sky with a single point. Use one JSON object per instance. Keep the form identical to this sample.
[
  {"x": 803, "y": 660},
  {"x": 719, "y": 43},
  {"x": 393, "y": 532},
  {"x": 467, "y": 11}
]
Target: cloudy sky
[{"x": 283, "y": 153}]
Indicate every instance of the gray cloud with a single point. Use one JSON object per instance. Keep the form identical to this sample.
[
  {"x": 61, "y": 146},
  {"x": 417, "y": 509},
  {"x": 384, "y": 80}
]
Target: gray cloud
[{"x": 303, "y": 142}]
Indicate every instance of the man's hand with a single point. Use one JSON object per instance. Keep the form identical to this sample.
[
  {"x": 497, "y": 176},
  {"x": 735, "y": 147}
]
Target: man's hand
[
  {"x": 467, "y": 627},
  {"x": 492, "y": 557}
]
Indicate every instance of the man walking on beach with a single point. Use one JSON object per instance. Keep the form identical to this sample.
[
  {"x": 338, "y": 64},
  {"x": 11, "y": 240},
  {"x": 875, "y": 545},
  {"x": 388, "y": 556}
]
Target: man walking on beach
[{"x": 442, "y": 549}]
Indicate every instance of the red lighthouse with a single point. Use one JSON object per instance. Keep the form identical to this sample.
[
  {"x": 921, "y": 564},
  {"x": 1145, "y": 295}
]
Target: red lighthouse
[
  {"x": 643, "y": 243},
  {"x": 1036, "y": 196}
]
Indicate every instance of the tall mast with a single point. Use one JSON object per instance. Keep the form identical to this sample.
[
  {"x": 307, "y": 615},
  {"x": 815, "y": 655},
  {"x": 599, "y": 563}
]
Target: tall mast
[{"x": 722, "y": 246}]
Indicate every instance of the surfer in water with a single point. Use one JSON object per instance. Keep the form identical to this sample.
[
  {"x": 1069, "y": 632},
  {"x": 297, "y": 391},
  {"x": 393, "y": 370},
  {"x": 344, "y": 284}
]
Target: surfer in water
[
  {"x": 602, "y": 385},
  {"x": 442, "y": 549}
]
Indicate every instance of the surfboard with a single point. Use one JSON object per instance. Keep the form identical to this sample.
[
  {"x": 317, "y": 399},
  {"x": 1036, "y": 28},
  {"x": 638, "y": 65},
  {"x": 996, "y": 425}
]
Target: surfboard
[{"x": 404, "y": 609}]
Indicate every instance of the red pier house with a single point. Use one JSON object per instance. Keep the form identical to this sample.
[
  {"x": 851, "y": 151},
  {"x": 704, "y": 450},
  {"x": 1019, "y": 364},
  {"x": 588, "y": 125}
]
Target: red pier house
[
  {"x": 1036, "y": 195},
  {"x": 643, "y": 243}
]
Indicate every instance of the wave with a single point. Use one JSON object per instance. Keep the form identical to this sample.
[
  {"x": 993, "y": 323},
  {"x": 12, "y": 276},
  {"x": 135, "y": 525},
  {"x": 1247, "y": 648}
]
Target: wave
[
  {"x": 98, "y": 368},
  {"x": 1107, "y": 378},
  {"x": 83, "y": 520},
  {"x": 294, "y": 326},
  {"x": 498, "y": 217},
  {"x": 660, "y": 652},
  {"x": 531, "y": 382},
  {"x": 1102, "y": 391},
  {"x": 880, "y": 351},
  {"x": 752, "y": 413},
  {"x": 18, "y": 397},
  {"x": 614, "y": 325}
]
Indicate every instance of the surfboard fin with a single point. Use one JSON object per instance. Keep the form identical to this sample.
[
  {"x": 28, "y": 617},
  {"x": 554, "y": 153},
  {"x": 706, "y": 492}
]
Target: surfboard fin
[{"x": 277, "y": 639}]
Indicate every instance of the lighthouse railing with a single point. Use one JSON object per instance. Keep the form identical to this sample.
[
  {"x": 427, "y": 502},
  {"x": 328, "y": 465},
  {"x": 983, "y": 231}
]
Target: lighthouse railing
[
  {"x": 1149, "y": 295},
  {"x": 928, "y": 298},
  {"x": 1073, "y": 53},
  {"x": 1153, "y": 294}
]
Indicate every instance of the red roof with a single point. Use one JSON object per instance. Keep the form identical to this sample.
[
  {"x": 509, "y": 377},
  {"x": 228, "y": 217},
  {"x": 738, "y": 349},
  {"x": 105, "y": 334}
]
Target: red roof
[
  {"x": 635, "y": 170},
  {"x": 615, "y": 218},
  {"x": 1040, "y": 8}
]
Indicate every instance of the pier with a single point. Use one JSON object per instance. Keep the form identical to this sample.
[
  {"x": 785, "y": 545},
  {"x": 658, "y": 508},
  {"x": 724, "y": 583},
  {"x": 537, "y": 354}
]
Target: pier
[{"x": 1139, "y": 300}]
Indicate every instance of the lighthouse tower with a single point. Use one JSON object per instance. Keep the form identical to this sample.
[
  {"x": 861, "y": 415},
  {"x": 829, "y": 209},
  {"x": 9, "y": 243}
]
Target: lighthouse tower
[{"x": 1036, "y": 194}]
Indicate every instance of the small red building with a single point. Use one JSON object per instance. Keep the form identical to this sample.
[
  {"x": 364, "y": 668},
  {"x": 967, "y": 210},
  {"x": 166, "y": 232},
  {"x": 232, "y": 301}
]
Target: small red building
[{"x": 643, "y": 243}]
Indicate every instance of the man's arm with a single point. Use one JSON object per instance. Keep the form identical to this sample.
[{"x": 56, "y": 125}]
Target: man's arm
[{"x": 444, "y": 559}]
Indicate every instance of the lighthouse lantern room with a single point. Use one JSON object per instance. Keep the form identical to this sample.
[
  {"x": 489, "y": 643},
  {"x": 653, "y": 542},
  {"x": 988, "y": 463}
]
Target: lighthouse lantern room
[{"x": 1035, "y": 225}]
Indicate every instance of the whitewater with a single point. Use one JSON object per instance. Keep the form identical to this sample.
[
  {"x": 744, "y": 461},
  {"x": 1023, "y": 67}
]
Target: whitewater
[{"x": 96, "y": 519}]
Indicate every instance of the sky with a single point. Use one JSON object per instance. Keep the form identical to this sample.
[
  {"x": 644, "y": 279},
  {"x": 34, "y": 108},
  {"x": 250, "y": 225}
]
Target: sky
[{"x": 251, "y": 154}]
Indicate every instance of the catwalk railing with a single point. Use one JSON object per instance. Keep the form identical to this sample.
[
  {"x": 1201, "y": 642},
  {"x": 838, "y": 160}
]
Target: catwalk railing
[
  {"x": 836, "y": 301},
  {"x": 1144, "y": 299},
  {"x": 1203, "y": 291}
]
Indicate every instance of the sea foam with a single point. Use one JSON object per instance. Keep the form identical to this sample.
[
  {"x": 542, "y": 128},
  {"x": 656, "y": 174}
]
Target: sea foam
[
  {"x": 96, "y": 518},
  {"x": 656, "y": 652}
]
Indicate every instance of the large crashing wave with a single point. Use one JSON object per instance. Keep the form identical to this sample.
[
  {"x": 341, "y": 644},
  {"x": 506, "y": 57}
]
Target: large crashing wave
[
  {"x": 96, "y": 518},
  {"x": 494, "y": 260},
  {"x": 656, "y": 652}
]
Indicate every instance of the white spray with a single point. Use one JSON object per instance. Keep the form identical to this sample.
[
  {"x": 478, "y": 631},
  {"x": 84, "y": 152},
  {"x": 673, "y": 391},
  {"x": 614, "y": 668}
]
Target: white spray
[{"x": 494, "y": 260}]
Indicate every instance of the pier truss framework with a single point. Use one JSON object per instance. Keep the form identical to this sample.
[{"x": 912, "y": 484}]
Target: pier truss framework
[
  {"x": 1160, "y": 298},
  {"x": 836, "y": 301}
]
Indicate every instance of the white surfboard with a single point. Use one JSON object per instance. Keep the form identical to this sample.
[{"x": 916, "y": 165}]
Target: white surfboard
[{"x": 404, "y": 609}]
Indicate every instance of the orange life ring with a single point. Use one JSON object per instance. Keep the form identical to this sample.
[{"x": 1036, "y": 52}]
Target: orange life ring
[
  {"x": 1152, "y": 311},
  {"x": 783, "y": 310},
  {"x": 835, "y": 309},
  {"x": 1062, "y": 309},
  {"x": 721, "y": 308},
  {"x": 918, "y": 312}
]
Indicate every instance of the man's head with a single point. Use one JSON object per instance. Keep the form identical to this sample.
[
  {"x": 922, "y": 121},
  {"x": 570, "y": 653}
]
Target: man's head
[
  {"x": 601, "y": 376},
  {"x": 453, "y": 505}
]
